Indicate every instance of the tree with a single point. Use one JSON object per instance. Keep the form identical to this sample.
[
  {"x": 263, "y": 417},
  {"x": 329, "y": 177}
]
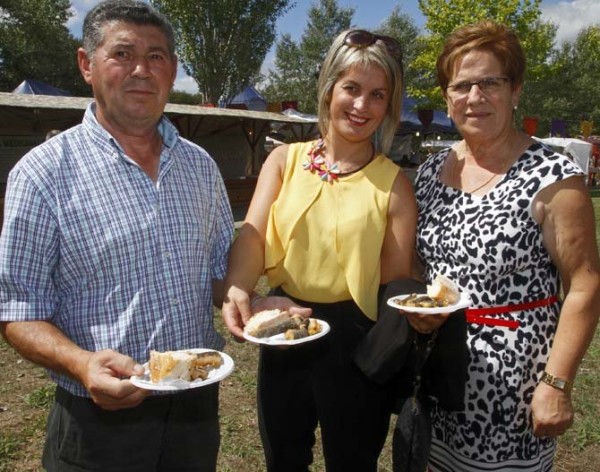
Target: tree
[
  {"x": 443, "y": 16},
  {"x": 297, "y": 64},
  {"x": 36, "y": 44},
  {"x": 566, "y": 93},
  {"x": 222, "y": 43},
  {"x": 401, "y": 27}
]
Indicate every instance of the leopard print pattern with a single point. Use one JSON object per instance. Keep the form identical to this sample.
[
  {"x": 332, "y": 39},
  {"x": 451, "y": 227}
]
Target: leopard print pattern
[{"x": 493, "y": 249}]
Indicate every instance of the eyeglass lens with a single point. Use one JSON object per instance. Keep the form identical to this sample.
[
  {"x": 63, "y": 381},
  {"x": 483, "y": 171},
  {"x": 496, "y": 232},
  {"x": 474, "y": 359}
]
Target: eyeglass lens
[{"x": 486, "y": 85}]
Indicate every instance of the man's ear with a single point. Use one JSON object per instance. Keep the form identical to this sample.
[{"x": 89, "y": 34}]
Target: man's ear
[{"x": 85, "y": 65}]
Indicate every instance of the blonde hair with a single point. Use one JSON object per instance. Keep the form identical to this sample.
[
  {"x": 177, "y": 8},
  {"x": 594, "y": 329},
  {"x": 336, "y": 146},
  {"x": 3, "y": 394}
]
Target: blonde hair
[{"x": 340, "y": 58}]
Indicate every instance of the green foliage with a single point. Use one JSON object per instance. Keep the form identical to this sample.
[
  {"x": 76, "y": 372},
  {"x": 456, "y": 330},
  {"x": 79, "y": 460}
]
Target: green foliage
[
  {"x": 36, "y": 44},
  {"x": 222, "y": 44},
  {"x": 297, "y": 64},
  {"x": 184, "y": 98},
  {"x": 401, "y": 27},
  {"x": 574, "y": 78},
  {"x": 443, "y": 16}
]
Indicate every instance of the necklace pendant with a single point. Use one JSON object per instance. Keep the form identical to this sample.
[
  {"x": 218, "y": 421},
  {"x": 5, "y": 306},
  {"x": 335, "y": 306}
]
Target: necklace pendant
[
  {"x": 329, "y": 174},
  {"x": 313, "y": 163}
]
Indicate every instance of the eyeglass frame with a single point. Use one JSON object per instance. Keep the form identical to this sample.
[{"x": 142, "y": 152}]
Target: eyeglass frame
[{"x": 450, "y": 88}]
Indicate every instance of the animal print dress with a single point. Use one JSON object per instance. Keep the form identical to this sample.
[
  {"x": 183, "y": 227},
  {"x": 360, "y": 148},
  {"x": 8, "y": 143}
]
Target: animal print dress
[{"x": 492, "y": 248}]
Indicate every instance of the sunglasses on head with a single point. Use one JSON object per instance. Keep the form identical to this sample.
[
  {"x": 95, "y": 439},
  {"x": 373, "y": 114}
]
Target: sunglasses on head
[{"x": 363, "y": 39}]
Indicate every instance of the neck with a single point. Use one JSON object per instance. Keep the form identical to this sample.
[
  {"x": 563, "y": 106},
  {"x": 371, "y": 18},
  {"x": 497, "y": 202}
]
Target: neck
[
  {"x": 143, "y": 149},
  {"x": 348, "y": 154},
  {"x": 492, "y": 155}
]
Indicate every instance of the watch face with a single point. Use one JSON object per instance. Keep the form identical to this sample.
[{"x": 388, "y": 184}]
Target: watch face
[{"x": 559, "y": 384}]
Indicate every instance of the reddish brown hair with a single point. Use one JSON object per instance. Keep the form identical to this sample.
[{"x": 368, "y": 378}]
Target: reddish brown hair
[{"x": 488, "y": 36}]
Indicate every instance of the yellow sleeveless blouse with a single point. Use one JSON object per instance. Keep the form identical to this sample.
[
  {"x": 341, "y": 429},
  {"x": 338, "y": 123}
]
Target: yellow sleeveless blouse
[{"x": 323, "y": 240}]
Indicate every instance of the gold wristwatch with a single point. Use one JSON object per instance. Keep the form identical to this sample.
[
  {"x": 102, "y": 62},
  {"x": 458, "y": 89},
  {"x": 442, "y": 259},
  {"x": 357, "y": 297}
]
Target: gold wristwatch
[{"x": 559, "y": 384}]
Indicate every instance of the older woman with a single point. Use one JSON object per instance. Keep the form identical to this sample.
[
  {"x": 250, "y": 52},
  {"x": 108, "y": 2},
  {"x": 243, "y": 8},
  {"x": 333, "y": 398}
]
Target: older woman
[{"x": 510, "y": 222}]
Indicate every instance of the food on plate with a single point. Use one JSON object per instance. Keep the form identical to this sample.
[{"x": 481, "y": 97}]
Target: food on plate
[
  {"x": 420, "y": 301},
  {"x": 313, "y": 327},
  {"x": 444, "y": 290},
  {"x": 182, "y": 365},
  {"x": 265, "y": 324},
  {"x": 297, "y": 333},
  {"x": 268, "y": 323}
]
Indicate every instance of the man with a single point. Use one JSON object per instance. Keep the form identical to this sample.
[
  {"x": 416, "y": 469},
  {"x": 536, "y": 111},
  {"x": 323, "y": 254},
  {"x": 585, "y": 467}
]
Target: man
[{"x": 115, "y": 241}]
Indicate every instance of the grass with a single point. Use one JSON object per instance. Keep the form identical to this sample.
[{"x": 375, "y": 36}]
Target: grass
[{"x": 26, "y": 393}]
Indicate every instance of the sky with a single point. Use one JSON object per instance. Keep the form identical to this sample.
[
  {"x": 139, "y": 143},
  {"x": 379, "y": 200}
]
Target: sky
[{"x": 569, "y": 15}]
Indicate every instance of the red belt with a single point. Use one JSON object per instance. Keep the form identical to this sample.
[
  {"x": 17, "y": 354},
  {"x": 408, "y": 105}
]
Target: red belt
[{"x": 480, "y": 315}]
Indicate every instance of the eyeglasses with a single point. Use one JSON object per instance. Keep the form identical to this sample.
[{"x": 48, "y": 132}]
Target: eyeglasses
[
  {"x": 363, "y": 39},
  {"x": 488, "y": 85}
]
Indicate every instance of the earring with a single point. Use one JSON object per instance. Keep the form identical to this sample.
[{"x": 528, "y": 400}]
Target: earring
[{"x": 515, "y": 107}]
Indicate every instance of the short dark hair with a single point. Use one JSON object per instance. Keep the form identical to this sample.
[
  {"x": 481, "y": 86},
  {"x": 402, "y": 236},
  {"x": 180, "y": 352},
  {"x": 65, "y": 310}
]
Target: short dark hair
[
  {"x": 488, "y": 36},
  {"x": 128, "y": 11}
]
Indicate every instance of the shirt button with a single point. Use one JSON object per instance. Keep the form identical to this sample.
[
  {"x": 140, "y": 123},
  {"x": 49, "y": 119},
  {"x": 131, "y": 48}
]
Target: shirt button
[
  {"x": 167, "y": 255},
  {"x": 174, "y": 302}
]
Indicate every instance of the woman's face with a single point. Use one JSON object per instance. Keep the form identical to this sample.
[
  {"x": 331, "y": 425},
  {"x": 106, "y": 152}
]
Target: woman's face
[
  {"x": 478, "y": 114},
  {"x": 359, "y": 102}
]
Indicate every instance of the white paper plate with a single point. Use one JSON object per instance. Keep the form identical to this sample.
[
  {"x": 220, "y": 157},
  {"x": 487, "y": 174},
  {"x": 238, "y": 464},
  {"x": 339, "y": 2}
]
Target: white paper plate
[
  {"x": 214, "y": 375},
  {"x": 279, "y": 339},
  {"x": 463, "y": 302}
]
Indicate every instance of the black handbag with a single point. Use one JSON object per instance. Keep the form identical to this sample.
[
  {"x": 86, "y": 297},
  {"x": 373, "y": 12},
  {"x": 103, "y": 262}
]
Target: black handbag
[
  {"x": 393, "y": 353},
  {"x": 385, "y": 349},
  {"x": 411, "y": 440}
]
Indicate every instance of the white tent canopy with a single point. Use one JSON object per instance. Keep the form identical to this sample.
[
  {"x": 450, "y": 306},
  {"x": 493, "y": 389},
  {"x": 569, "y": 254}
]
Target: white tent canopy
[{"x": 579, "y": 151}]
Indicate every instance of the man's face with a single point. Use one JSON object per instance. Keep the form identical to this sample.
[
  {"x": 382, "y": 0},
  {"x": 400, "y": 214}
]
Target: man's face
[{"x": 131, "y": 74}]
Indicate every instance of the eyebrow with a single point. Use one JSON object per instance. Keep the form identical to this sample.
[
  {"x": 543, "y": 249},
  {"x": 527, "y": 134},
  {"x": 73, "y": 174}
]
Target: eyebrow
[
  {"x": 130, "y": 46},
  {"x": 354, "y": 82}
]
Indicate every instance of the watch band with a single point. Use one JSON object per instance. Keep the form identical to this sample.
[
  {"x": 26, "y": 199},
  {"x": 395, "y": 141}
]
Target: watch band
[{"x": 559, "y": 384}]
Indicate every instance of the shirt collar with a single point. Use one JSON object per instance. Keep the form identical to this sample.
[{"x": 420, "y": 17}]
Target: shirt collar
[{"x": 104, "y": 139}]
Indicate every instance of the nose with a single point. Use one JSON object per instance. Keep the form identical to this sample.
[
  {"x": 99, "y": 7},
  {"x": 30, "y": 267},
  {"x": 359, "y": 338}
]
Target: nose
[
  {"x": 361, "y": 102},
  {"x": 141, "y": 67},
  {"x": 475, "y": 94}
]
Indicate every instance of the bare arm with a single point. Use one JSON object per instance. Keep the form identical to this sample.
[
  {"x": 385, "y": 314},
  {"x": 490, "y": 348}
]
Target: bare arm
[
  {"x": 398, "y": 257},
  {"x": 246, "y": 259},
  {"x": 217, "y": 292},
  {"x": 101, "y": 373},
  {"x": 399, "y": 241},
  {"x": 566, "y": 215}
]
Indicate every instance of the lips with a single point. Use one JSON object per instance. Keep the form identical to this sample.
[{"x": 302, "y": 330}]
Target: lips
[
  {"x": 480, "y": 114},
  {"x": 357, "y": 120},
  {"x": 140, "y": 92}
]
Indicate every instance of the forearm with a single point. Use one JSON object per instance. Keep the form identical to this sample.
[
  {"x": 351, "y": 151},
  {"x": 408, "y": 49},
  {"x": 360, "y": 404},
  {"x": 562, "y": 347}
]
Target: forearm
[
  {"x": 246, "y": 261},
  {"x": 575, "y": 331},
  {"x": 44, "y": 344}
]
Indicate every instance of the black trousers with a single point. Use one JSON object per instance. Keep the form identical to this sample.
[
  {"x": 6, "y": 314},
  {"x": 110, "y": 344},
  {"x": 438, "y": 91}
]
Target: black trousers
[
  {"x": 178, "y": 432},
  {"x": 318, "y": 383}
]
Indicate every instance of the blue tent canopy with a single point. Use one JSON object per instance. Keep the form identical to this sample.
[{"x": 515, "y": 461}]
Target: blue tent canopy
[
  {"x": 409, "y": 120},
  {"x": 251, "y": 98},
  {"x": 34, "y": 87}
]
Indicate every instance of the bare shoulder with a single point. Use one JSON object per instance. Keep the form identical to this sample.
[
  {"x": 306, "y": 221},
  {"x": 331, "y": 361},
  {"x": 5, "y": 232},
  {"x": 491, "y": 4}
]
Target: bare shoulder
[
  {"x": 568, "y": 195},
  {"x": 279, "y": 154},
  {"x": 402, "y": 199},
  {"x": 402, "y": 185}
]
